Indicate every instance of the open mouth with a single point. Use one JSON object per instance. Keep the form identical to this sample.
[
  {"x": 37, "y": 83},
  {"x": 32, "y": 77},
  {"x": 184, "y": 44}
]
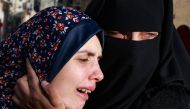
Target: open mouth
[{"x": 84, "y": 90}]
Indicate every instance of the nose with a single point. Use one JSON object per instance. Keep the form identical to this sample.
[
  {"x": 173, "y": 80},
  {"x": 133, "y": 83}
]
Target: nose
[{"x": 97, "y": 73}]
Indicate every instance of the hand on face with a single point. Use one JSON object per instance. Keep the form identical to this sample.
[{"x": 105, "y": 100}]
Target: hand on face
[
  {"x": 29, "y": 95},
  {"x": 69, "y": 88}
]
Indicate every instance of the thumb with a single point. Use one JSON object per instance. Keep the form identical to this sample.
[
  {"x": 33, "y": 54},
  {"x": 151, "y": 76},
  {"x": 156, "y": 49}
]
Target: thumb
[
  {"x": 52, "y": 94},
  {"x": 45, "y": 85}
]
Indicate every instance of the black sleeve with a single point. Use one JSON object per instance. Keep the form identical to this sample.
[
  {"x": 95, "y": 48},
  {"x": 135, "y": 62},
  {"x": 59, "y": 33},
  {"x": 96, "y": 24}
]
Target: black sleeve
[{"x": 171, "y": 97}]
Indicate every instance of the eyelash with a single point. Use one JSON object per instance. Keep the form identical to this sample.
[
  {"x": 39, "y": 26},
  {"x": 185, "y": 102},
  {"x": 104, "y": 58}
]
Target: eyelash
[
  {"x": 152, "y": 34},
  {"x": 84, "y": 60}
]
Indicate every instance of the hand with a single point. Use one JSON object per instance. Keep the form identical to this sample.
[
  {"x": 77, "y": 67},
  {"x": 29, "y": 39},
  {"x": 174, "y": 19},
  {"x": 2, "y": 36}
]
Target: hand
[{"x": 29, "y": 95}]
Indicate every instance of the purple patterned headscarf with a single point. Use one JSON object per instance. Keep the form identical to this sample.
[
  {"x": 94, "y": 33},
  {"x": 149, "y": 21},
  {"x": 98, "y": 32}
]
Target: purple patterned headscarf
[{"x": 49, "y": 39}]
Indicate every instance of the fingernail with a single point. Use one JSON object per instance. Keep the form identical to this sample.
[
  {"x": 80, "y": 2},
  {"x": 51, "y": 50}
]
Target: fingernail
[{"x": 44, "y": 83}]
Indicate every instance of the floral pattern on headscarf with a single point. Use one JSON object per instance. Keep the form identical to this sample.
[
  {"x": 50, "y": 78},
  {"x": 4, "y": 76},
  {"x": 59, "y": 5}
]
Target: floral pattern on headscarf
[{"x": 38, "y": 39}]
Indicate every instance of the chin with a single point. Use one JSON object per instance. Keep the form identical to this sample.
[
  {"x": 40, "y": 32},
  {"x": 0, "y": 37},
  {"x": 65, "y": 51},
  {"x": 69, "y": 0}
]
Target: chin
[
  {"x": 75, "y": 105},
  {"x": 79, "y": 106}
]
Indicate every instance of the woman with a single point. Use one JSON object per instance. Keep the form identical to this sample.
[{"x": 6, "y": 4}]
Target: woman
[
  {"x": 144, "y": 63},
  {"x": 142, "y": 70},
  {"x": 63, "y": 47}
]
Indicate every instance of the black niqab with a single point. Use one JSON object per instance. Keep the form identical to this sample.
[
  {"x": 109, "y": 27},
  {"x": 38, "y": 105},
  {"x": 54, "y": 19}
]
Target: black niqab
[
  {"x": 132, "y": 67},
  {"x": 130, "y": 15}
]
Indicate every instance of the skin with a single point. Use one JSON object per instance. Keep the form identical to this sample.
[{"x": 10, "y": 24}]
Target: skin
[
  {"x": 35, "y": 98},
  {"x": 67, "y": 89},
  {"x": 135, "y": 36}
]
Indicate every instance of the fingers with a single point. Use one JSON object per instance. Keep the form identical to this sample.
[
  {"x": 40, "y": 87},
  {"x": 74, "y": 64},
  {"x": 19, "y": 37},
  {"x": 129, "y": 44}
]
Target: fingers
[
  {"x": 38, "y": 99},
  {"x": 33, "y": 80},
  {"x": 20, "y": 103},
  {"x": 21, "y": 94},
  {"x": 45, "y": 85},
  {"x": 21, "y": 88},
  {"x": 48, "y": 98},
  {"x": 33, "y": 83},
  {"x": 53, "y": 95},
  {"x": 17, "y": 102}
]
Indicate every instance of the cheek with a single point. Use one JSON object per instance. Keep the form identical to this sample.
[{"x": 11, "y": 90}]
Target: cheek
[
  {"x": 61, "y": 84},
  {"x": 70, "y": 78},
  {"x": 67, "y": 81},
  {"x": 77, "y": 73}
]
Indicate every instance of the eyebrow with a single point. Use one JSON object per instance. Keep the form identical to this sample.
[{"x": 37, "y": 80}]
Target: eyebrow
[{"x": 89, "y": 53}]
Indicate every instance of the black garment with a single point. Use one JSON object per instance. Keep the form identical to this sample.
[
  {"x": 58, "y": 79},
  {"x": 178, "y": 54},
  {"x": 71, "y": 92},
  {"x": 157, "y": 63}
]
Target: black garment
[
  {"x": 165, "y": 97},
  {"x": 127, "y": 15},
  {"x": 135, "y": 70}
]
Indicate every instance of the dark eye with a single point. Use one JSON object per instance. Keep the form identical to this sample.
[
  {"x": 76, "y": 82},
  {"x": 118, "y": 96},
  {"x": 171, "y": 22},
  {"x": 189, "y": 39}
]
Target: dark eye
[
  {"x": 154, "y": 34},
  {"x": 150, "y": 35}
]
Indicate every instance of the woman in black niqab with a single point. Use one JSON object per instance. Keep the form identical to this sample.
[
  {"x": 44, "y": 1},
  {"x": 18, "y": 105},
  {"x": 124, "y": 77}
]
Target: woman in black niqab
[{"x": 149, "y": 74}]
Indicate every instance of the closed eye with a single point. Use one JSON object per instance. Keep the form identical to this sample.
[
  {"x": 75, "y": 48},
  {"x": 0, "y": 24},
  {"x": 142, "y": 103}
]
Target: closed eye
[{"x": 83, "y": 60}]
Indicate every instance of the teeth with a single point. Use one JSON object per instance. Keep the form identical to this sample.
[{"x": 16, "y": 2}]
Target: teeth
[
  {"x": 85, "y": 91},
  {"x": 88, "y": 91}
]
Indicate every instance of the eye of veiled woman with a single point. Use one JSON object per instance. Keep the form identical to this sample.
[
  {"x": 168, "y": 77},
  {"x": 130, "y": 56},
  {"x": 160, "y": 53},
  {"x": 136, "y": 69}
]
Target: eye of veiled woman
[
  {"x": 149, "y": 35},
  {"x": 152, "y": 34}
]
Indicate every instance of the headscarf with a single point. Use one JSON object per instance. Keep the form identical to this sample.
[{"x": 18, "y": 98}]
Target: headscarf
[
  {"x": 48, "y": 40},
  {"x": 133, "y": 68}
]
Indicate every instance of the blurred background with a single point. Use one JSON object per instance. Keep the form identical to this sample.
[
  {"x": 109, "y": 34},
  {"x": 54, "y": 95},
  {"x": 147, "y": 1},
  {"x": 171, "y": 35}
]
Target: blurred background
[{"x": 15, "y": 12}]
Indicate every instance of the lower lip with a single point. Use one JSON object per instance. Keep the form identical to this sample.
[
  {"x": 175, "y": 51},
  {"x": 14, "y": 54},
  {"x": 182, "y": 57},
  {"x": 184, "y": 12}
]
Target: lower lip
[{"x": 84, "y": 96}]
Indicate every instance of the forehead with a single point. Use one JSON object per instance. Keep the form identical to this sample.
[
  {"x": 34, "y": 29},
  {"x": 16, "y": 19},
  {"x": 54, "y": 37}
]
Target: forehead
[{"x": 93, "y": 45}]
